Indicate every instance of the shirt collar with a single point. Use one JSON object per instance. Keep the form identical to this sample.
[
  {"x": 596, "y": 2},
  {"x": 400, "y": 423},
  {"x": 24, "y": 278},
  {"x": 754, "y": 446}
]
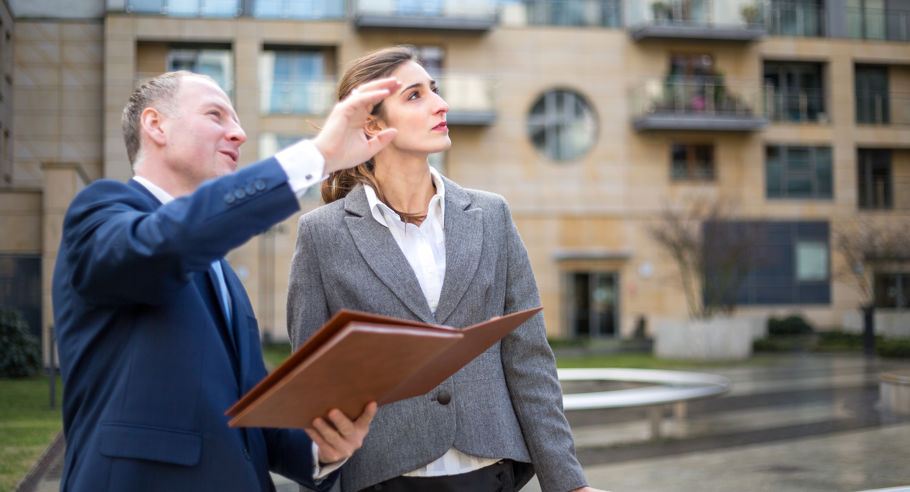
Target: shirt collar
[
  {"x": 154, "y": 189},
  {"x": 384, "y": 214}
]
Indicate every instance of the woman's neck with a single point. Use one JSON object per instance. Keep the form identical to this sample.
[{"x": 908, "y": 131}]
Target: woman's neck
[{"x": 406, "y": 183}]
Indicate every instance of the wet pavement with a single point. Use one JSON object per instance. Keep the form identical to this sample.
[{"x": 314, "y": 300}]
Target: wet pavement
[{"x": 790, "y": 423}]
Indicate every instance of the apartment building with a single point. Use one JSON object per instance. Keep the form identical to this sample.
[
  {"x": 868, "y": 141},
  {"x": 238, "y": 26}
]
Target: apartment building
[{"x": 592, "y": 117}]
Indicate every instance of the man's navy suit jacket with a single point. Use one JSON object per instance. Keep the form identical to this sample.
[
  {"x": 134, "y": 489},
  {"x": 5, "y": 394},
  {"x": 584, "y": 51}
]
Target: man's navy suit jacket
[{"x": 149, "y": 362}]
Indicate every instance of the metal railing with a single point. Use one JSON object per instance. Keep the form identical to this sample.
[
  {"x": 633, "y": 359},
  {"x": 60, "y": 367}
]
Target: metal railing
[
  {"x": 462, "y": 92},
  {"x": 702, "y": 96},
  {"x": 796, "y": 19},
  {"x": 795, "y": 105},
  {"x": 875, "y": 108},
  {"x": 879, "y": 24},
  {"x": 743, "y": 13},
  {"x": 576, "y": 13},
  {"x": 185, "y": 8},
  {"x": 460, "y": 9}
]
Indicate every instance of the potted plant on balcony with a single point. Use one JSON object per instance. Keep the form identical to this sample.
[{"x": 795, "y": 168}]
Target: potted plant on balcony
[
  {"x": 750, "y": 14},
  {"x": 713, "y": 254},
  {"x": 661, "y": 11},
  {"x": 868, "y": 247}
]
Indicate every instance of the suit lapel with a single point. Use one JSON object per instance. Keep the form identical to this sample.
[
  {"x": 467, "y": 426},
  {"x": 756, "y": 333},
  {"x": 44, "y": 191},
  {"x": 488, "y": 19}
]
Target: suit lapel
[
  {"x": 380, "y": 251},
  {"x": 240, "y": 312},
  {"x": 464, "y": 243}
]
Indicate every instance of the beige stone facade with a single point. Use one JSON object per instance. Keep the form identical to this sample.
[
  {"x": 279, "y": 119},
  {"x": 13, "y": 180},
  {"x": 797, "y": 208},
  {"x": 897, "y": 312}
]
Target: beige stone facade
[{"x": 587, "y": 215}]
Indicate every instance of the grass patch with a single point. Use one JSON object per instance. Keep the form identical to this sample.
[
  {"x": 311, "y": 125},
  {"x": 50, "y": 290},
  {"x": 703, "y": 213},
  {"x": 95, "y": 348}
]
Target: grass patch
[
  {"x": 275, "y": 353},
  {"x": 27, "y": 425}
]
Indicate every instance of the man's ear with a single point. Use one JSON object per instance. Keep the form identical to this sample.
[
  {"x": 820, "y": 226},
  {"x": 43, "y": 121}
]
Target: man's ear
[{"x": 151, "y": 122}]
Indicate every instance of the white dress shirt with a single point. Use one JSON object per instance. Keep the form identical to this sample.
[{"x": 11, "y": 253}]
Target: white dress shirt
[
  {"x": 304, "y": 165},
  {"x": 424, "y": 246}
]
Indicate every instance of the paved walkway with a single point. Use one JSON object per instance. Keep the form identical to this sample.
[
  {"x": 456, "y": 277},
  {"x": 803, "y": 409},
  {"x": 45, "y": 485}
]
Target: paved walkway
[{"x": 790, "y": 423}]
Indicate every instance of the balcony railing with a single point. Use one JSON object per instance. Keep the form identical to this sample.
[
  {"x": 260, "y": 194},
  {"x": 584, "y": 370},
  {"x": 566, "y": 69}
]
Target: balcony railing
[
  {"x": 802, "y": 105},
  {"x": 457, "y": 15},
  {"x": 874, "y": 108},
  {"x": 879, "y": 24},
  {"x": 576, "y": 13},
  {"x": 295, "y": 9},
  {"x": 470, "y": 98},
  {"x": 185, "y": 8},
  {"x": 727, "y": 20},
  {"x": 706, "y": 103},
  {"x": 796, "y": 19},
  {"x": 313, "y": 98}
]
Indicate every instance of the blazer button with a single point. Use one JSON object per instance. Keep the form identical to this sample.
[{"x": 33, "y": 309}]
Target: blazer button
[
  {"x": 229, "y": 198},
  {"x": 250, "y": 189},
  {"x": 239, "y": 193},
  {"x": 443, "y": 397},
  {"x": 259, "y": 184}
]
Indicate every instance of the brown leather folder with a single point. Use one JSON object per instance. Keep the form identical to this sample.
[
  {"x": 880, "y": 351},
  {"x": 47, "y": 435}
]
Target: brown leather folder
[{"x": 356, "y": 358}]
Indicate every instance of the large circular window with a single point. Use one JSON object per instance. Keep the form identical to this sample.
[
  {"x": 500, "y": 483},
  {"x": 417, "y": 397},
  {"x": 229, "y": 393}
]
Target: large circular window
[{"x": 562, "y": 124}]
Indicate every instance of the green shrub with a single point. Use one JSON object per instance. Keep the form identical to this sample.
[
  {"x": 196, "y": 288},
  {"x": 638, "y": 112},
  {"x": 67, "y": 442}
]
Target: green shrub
[
  {"x": 893, "y": 347},
  {"x": 20, "y": 351},
  {"x": 788, "y": 326}
]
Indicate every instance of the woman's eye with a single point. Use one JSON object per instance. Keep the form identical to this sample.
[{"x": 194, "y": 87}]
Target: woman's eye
[
  {"x": 435, "y": 90},
  {"x": 413, "y": 95}
]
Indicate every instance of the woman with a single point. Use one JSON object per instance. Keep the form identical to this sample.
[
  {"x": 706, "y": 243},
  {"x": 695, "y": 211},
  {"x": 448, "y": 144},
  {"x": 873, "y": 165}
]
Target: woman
[{"x": 398, "y": 239}]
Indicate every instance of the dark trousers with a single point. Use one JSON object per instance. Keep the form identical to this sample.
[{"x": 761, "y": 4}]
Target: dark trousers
[{"x": 499, "y": 477}]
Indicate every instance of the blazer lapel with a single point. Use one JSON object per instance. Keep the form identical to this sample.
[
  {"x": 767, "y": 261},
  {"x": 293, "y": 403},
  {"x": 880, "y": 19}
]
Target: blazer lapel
[
  {"x": 379, "y": 249},
  {"x": 464, "y": 243},
  {"x": 241, "y": 310}
]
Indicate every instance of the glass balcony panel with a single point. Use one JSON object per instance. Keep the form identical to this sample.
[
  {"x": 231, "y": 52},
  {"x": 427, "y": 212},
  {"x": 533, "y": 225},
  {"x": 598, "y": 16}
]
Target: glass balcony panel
[
  {"x": 704, "y": 102},
  {"x": 469, "y": 15},
  {"x": 186, "y": 8},
  {"x": 796, "y": 18},
  {"x": 471, "y": 97},
  {"x": 885, "y": 24},
  {"x": 741, "y": 13},
  {"x": 576, "y": 13},
  {"x": 146, "y": 6}
]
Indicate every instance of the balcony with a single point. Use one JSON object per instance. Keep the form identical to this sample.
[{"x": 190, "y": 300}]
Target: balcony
[
  {"x": 796, "y": 105},
  {"x": 875, "y": 108},
  {"x": 703, "y": 104},
  {"x": 309, "y": 98},
  {"x": 707, "y": 20},
  {"x": 470, "y": 99},
  {"x": 185, "y": 8},
  {"x": 878, "y": 24},
  {"x": 574, "y": 13},
  {"x": 796, "y": 19},
  {"x": 429, "y": 15}
]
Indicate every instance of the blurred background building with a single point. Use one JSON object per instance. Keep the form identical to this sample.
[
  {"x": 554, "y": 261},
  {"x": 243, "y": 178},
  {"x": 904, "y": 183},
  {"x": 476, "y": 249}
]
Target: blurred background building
[{"x": 594, "y": 118}]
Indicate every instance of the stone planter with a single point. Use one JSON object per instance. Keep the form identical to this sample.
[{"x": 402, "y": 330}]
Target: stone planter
[
  {"x": 890, "y": 323},
  {"x": 719, "y": 338}
]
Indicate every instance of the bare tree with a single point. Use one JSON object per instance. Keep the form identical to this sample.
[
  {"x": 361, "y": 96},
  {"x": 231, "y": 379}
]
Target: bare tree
[
  {"x": 868, "y": 247},
  {"x": 713, "y": 251}
]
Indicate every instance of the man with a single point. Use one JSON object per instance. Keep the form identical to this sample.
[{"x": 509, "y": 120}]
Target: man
[{"x": 155, "y": 332}]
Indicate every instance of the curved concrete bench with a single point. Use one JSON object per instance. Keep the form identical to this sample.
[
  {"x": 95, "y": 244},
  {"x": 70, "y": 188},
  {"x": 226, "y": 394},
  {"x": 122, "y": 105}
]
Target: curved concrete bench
[
  {"x": 665, "y": 388},
  {"x": 894, "y": 388}
]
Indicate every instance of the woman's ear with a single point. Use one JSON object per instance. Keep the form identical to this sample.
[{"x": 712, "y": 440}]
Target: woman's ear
[{"x": 373, "y": 127}]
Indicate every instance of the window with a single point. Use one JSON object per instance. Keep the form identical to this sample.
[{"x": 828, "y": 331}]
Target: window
[
  {"x": 598, "y": 13},
  {"x": 186, "y": 8},
  {"x": 593, "y": 304},
  {"x": 692, "y": 162},
  {"x": 20, "y": 287},
  {"x": 811, "y": 261},
  {"x": 797, "y": 18},
  {"x": 789, "y": 261},
  {"x": 794, "y": 91},
  {"x": 296, "y": 9},
  {"x": 562, "y": 125},
  {"x": 892, "y": 290},
  {"x": 872, "y": 94},
  {"x": 217, "y": 63},
  {"x": 874, "y": 178},
  {"x": 294, "y": 81},
  {"x": 798, "y": 172},
  {"x": 879, "y": 19}
]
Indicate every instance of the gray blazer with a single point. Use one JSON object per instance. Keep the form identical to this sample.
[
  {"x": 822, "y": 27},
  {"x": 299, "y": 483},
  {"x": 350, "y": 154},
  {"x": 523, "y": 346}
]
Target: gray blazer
[{"x": 506, "y": 403}]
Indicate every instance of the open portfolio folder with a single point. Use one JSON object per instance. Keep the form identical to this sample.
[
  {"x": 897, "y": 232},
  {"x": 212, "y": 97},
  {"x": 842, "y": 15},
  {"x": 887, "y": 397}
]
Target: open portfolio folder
[{"x": 356, "y": 358}]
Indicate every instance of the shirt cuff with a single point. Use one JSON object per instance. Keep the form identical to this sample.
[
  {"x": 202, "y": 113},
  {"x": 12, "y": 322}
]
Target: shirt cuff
[
  {"x": 321, "y": 472},
  {"x": 304, "y": 165}
]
